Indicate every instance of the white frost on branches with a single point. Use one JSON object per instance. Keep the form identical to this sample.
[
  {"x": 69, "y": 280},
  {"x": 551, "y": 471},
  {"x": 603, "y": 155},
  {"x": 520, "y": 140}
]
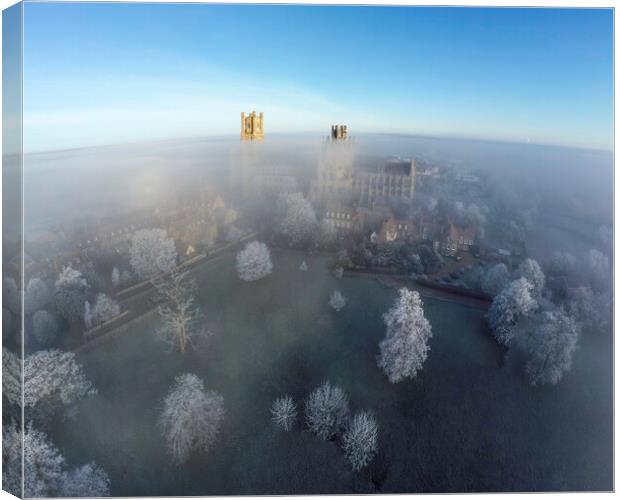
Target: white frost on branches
[
  {"x": 405, "y": 347},
  {"x": 550, "y": 340},
  {"x": 337, "y": 300},
  {"x": 495, "y": 279},
  {"x": 152, "y": 253},
  {"x": 327, "y": 410},
  {"x": 50, "y": 375},
  {"x": 297, "y": 219},
  {"x": 531, "y": 271},
  {"x": 104, "y": 309},
  {"x": 89, "y": 480},
  {"x": 45, "y": 327},
  {"x": 597, "y": 267},
  {"x": 36, "y": 296},
  {"x": 43, "y": 464},
  {"x": 192, "y": 417},
  {"x": 45, "y": 473},
  {"x": 562, "y": 264},
  {"x": 116, "y": 277},
  {"x": 11, "y": 295},
  {"x": 11, "y": 377},
  {"x": 514, "y": 302},
  {"x": 70, "y": 293},
  {"x": 284, "y": 412},
  {"x": 360, "y": 440},
  {"x": 254, "y": 261},
  {"x": 182, "y": 320}
]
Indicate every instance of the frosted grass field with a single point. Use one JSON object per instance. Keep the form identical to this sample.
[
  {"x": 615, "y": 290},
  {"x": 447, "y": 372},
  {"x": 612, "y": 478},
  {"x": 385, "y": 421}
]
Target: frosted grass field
[{"x": 469, "y": 422}]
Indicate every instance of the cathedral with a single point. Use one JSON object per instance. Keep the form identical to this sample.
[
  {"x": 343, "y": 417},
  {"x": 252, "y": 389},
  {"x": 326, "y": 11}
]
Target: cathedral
[{"x": 361, "y": 181}]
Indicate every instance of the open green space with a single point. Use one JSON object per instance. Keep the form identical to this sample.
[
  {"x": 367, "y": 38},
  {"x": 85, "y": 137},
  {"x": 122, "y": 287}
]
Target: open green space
[{"x": 468, "y": 422}]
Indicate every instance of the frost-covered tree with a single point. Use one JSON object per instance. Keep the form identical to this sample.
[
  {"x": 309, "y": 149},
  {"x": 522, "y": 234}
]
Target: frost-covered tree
[
  {"x": 45, "y": 327},
  {"x": 592, "y": 310},
  {"x": 88, "y": 315},
  {"x": 11, "y": 295},
  {"x": 550, "y": 340},
  {"x": 126, "y": 277},
  {"x": 182, "y": 320},
  {"x": 326, "y": 234},
  {"x": 284, "y": 412},
  {"x": 327, "y": 410},
  {"x": 495, "y": 279},
  {"x": 11, "y": 377},
  {"x": 337, "y": 300},
  {"x": 405, "y": 346},
  {"x": 36, "y": 296},
  {"x": 152, "y": 253},
  {"x": 70, "y": 294},
  {"x": 562, "y": 264},
  {"x": 474, "y": 215},
  {"x": 471, "y": 215},
  {"x": 52, "y": 378},
  {"x": 116, "y": 277},
  {"x": 531, "y": 271},
  {"x": 88, "y": 480},
  {"x": 234, "y": 234},
  {"x": 596, "y": 265},
  {"x": 360, "y": 440},
  {"x": 303, "y": 267},
  {"x": 192, "y": 417},
  {"x": 296, "y": 218},
  {"x": 44, "y": 472},
  {"x": 513, "y": 303},
  {"x": 7, "y": 323},
  {"x": 254, "y": 261},
  {"x": 105, "y": 309}
]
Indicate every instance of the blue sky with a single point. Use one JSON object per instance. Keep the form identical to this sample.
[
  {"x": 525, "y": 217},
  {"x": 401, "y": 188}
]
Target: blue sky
[{"x": 109, "y": 73}]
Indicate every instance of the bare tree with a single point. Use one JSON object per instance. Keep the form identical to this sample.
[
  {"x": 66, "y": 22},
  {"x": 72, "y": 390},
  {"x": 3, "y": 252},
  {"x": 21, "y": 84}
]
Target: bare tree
[
  {"x": 360, "y": 440},
  {"x": 192, "y": 417},
  {"x": 182, "y": 320},
  {"x": 284, "y": 412}
]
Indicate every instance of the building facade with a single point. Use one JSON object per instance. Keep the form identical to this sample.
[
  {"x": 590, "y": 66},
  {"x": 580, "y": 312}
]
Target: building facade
[{"x": 252, "y": 126}]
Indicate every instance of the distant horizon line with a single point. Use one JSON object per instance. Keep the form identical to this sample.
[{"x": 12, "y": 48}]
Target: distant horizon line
[{"x": 317, "y": 135}]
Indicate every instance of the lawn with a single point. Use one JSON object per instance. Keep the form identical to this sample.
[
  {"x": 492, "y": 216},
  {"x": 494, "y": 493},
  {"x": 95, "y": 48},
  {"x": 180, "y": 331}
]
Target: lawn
[{"x": 469, "y": 422}]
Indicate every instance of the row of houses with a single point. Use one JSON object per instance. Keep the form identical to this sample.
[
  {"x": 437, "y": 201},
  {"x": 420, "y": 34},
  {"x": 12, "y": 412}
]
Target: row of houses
[{"x": 447, "y": 239}]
